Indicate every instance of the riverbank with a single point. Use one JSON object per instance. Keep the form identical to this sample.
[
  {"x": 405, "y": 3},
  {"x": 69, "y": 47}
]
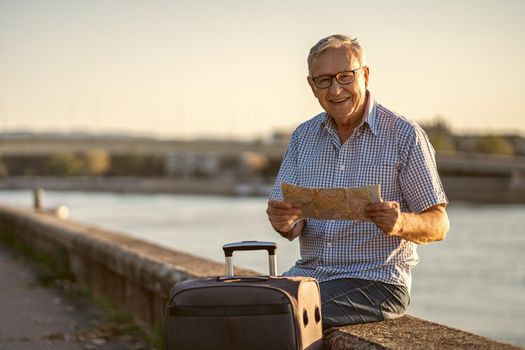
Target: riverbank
[{"x": 458, "y": 188}]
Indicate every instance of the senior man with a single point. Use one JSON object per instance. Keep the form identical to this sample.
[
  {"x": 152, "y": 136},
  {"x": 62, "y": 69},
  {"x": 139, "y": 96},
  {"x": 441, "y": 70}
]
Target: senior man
[{"x": 363, "y": 266}]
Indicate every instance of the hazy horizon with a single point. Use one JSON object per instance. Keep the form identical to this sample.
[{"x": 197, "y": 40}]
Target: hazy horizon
[{"x": 238, "y": 69}]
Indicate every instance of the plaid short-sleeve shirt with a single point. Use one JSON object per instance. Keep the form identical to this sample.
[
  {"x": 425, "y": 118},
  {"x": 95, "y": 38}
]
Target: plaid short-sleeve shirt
[{"x": 385, "y": 149}]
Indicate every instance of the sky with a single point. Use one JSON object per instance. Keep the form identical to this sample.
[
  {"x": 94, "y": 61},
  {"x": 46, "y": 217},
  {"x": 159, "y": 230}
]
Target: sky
[{"x": 238, "y": 69}]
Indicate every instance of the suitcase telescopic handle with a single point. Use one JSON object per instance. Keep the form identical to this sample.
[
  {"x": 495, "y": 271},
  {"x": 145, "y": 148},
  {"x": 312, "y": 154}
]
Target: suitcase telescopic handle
[{"x": 271, "y": 247}]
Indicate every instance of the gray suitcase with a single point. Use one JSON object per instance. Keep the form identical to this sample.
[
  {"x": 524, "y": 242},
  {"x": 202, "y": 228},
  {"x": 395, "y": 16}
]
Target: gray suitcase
[{"x": 245, "y": 312}]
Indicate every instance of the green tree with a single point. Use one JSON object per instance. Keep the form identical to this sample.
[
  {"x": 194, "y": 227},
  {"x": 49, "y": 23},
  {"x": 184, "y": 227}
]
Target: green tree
[
  {"x": 494, "y": 144},
  {"x": 97, "y": 162},
  {"x": 3, "y": 169},
  {"x": 440, "y": 135},
  {"x": 442, "y": 142},
  {"x": 65, "y": 164}
]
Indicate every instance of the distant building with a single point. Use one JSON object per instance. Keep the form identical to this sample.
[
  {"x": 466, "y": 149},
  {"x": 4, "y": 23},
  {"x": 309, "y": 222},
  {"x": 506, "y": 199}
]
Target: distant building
[{"x": 191, "y": 164}]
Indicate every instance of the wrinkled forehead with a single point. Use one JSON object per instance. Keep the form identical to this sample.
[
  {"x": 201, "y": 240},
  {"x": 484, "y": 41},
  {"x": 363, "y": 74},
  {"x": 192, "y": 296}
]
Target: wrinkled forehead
[{"x": 333, "y": 60}]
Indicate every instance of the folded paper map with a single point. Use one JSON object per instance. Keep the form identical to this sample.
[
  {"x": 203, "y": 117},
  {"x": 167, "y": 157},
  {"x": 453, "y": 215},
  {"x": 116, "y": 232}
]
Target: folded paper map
[{"x": 332, "y": 203}]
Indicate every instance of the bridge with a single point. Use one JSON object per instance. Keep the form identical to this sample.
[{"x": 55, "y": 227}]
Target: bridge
[
  {"x": 43, "y": 146},
  {"x": 449, "y": 163},
  {"x": 469, "y": 176}
]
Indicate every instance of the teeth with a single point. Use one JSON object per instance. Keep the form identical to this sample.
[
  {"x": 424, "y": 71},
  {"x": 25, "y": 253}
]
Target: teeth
[{"x": 340, "y": 100}]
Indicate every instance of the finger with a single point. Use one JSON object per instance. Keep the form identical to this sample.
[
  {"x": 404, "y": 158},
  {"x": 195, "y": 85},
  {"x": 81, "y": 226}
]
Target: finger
[
  {"x": 274, "y": 211},
  {"x": 279, "y": 204},
  {"x": 384, "y": 214},
  {"x": 387, "y": 210},
  {"x": 383, "y": 206},
  {"x": 283, "y": 212},
  {"x": 379, "y": 225},
  {"x": 283, "y": 219},
  {"x": 381, "y": 220},
  {"x": 282, "y": 207},
  {"x": 384, "y": 218},
  {"x": 383, "y": 226}
]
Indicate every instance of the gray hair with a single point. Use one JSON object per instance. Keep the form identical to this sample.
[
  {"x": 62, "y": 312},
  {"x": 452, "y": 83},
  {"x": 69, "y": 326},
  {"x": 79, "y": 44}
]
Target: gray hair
[{"x": 335, "y": 42}]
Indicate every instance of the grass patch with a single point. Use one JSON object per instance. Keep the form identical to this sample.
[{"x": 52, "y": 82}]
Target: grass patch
[
  {"x": 56, "y": 266},
  {"x": 156, "y": 340},
  {"x": 53, "y": 270},
  {"x": 119, "y": 322}
]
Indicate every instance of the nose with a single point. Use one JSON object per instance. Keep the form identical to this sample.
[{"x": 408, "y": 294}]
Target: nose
[{"x": 335, "y": 88}]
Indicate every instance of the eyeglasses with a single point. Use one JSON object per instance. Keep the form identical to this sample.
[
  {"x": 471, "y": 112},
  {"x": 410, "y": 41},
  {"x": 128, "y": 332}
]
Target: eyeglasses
[{"x": 343, "y": 78}]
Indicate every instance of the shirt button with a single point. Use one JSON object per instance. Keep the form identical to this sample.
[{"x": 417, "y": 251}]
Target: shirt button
[
  {"x": 329, "y": 244},
  {"x": 341, "y": 167}
]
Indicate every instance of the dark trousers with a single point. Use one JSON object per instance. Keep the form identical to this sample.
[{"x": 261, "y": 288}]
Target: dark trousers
[{"x": 349, "y": 301}]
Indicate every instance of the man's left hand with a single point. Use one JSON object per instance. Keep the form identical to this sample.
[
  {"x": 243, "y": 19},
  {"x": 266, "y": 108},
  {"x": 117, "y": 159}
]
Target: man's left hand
[{"x": 387, "y": 216}]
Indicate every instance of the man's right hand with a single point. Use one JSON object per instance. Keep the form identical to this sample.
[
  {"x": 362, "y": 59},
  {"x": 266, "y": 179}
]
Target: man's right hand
[{"x": 282, "y": 216}]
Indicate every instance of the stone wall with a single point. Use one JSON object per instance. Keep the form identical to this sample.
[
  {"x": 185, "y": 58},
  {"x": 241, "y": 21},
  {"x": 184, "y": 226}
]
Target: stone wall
[
  {"x": 134, "y": 274},
  {"x": 137, "y": 276}
]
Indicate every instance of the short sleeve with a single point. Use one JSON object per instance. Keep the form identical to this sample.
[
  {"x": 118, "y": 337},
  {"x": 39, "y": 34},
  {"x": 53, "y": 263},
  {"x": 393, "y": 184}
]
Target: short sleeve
[
  {"x": 419, "y": 178},
  {"x": 288, "y": 169}
]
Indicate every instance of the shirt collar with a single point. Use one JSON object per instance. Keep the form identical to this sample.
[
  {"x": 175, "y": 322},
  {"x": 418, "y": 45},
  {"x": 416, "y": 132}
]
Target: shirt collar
[
  {"x": 371, "y": 113},
  {"x": 370, "y": 118}
]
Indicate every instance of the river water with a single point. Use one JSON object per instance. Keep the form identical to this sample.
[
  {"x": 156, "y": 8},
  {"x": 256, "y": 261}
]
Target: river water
[{"x": 474, "y": 280}]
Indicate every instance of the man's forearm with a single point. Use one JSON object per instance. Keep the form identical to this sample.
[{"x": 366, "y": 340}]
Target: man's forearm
[{"x": 431, "y": 225}]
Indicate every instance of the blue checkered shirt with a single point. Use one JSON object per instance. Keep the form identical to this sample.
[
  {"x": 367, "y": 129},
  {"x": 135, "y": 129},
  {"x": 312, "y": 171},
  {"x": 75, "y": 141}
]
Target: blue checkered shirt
[{"x": 385, "y": 149}]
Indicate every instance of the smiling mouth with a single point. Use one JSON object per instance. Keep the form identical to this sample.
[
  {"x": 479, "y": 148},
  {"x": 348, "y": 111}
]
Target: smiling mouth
[{"x": 340, "y": 100}]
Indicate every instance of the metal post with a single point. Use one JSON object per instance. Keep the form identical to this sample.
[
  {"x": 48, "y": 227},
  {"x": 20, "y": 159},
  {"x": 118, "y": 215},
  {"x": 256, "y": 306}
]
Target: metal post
[
  {"x": 38, "y": 197},
  {"x": 229, "y": 266},
  {"x": 272, "y": 259}
]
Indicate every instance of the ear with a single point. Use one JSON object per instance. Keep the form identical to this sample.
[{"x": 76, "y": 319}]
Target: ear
[
  {"x": 311, "y": 83},
  {"x": 366, "y": 72}
]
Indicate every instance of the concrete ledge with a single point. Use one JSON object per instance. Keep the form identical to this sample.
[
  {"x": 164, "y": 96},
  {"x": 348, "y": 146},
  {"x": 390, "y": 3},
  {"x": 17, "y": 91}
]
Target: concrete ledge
[
  {"x": 407, "y": 332},
  {"x": 137, "y": 276},
  {"x": 134, "y": 274}
]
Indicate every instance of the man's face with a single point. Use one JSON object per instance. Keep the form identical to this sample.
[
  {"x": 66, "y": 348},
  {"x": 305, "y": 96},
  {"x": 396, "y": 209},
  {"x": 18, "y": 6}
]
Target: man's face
[{"x": 345, "y": 103}]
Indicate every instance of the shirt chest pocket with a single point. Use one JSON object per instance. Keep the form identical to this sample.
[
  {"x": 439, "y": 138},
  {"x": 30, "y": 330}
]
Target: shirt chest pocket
[{"x": 371, "y": 174}]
